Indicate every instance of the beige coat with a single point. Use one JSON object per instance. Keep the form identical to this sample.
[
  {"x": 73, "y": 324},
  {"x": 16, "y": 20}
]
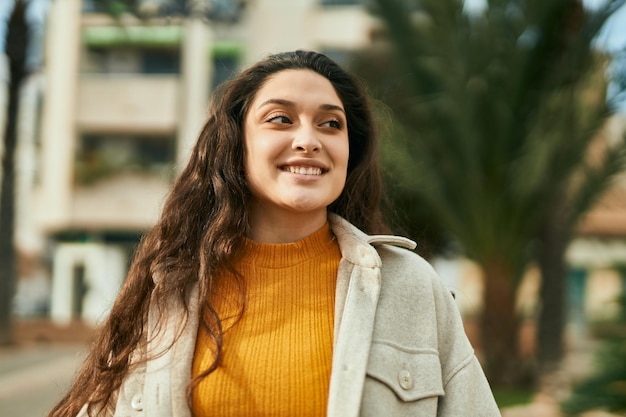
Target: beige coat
[{"x": 399, "y": 348}]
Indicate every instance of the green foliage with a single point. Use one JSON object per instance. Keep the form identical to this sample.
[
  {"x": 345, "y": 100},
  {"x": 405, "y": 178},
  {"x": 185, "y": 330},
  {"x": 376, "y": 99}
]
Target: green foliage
[
  {"x": 116, "y": 8},
  {"x": 512, "y": 397},
  {"x": 496, "y": 113},
  {"x": 606, "y": 389}
]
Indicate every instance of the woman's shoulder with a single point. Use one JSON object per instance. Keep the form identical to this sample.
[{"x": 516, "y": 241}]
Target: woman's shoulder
[
  {"x": 406, "y": 271},
  {"x": 394, "y": 256}
]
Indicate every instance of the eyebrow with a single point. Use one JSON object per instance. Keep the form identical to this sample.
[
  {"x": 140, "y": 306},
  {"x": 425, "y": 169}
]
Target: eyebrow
[{"x": 290, "y": 103}]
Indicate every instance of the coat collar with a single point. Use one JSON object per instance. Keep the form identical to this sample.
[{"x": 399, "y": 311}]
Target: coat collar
[
  {"x": 356, "y": 300},
  {"x": 359, "y": 248}
]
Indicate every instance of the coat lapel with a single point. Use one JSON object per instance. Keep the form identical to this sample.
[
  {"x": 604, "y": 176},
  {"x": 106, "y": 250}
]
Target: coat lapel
[
  {"x": 353, "y": 342},
  {"x": 169, "y": 372},
  {"x": 182, "y": 351},
  {"x": 358, "y": 288},
  {"x": 157, "y": 393}
]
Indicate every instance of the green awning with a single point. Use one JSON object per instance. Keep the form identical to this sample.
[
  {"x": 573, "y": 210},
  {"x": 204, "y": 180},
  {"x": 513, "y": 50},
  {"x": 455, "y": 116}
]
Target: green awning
[
  {"x": 151, "y": 36},
  {"x": 107, "y": 36}
]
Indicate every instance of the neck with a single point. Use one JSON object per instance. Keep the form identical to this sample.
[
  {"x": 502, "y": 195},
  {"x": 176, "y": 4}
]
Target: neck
[{"x": 284, "y": 227}]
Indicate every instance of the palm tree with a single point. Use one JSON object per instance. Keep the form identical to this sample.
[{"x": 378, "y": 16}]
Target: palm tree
[{"x": 494, "y": 115}]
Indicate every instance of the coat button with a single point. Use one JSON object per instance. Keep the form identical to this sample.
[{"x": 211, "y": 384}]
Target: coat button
[
  {"x": 137, "y": 402},
  {"x": 405, "y": 379}
]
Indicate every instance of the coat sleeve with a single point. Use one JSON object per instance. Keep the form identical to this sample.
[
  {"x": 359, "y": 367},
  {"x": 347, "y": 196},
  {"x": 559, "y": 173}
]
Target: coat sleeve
[
  {"x": 419, "y": 333},
  {"x": 467, "y": 393}
]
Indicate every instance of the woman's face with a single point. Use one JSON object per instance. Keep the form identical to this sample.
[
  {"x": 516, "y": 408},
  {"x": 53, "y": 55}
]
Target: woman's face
[{"x": 296, "y": 141}]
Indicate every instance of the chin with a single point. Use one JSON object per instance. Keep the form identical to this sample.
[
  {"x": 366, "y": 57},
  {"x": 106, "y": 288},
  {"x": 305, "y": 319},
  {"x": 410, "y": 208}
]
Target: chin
[{"x": 306, "y": 206}]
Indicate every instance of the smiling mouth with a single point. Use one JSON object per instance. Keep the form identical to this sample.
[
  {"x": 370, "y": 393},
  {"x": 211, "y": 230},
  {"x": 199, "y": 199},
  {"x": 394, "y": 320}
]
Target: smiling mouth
[{"x": 303, "y": 170}]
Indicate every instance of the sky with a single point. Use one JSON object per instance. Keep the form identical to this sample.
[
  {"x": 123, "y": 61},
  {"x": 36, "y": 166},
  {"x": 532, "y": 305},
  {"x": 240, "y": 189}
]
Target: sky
[{"x": 613, "y": 37}]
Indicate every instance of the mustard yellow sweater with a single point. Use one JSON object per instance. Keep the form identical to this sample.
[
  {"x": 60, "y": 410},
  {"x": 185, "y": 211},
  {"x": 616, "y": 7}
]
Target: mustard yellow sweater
[{"x": 277, "y": 357}]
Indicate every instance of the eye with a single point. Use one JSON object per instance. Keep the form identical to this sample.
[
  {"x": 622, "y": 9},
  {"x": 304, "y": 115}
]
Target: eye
[
  {"x": 334, "y": 123},
  {"x": 278, "y": 119}
]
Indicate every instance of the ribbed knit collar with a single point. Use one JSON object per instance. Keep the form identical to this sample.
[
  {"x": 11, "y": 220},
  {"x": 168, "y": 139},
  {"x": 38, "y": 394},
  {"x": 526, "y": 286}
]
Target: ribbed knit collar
[{"x": 284, "y": 255}]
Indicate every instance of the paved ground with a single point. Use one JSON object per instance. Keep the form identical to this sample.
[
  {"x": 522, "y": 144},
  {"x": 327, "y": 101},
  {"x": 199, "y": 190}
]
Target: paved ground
[
  {"x": 34, "y": 378},
  {"x": 38, "y": 369}
]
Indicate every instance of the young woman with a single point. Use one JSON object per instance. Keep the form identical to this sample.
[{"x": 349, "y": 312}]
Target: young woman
[{"x": 268, "y": 286}]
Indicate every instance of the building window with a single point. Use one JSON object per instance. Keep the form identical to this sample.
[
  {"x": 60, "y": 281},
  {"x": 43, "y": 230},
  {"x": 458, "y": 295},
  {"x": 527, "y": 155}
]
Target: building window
[
  {"x": 128, "y": 60},
  {"x": 92, "y": 6},
  {"x": 160, "y": 61},
  {"x": 224, "y": 68},
  {"x": 105, "y": 156},
  {"x": 95, "y": 6}
]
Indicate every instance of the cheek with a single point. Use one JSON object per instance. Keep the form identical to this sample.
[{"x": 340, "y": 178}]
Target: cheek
[
  {"x": 341, "y": 153},
  {"x": 250, "y": 165},
  {"x": 247, "y": 156},
  {"x": 251, "y": 152}
]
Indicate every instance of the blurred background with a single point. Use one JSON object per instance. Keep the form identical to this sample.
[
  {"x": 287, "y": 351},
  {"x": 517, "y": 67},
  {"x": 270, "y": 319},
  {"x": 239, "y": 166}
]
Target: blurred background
[{"x": 504, "y": 147}]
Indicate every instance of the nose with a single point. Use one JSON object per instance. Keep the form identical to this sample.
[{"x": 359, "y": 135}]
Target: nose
[{"x": 306, "y": 141}]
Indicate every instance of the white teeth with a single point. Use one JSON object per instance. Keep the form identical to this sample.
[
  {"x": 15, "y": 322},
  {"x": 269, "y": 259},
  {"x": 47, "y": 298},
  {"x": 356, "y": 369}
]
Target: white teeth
[{"x": 304, "y": 170}]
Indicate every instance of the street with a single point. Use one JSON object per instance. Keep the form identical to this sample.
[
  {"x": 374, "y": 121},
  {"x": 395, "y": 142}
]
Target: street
[
  {"x": 33, "y": 379},
  {"x": 37, "y": 370}
]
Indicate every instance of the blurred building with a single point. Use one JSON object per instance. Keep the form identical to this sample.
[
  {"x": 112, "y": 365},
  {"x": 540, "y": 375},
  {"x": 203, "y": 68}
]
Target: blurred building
[
  {"x": 118, "y": 107},
  {"x": 597, "y": 256}
]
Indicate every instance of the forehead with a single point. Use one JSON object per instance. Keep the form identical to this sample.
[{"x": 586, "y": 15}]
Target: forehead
[{"x": 297, "y": 85}]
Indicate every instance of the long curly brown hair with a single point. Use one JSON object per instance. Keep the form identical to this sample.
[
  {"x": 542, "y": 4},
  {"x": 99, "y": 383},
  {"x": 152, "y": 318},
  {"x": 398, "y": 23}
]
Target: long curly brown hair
[{"x": 203, "y": 225}]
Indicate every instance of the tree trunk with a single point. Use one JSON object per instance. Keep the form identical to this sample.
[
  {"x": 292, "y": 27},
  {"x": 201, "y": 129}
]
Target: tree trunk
[
  {"x": 552, "y": 293},
  {"x": 500, "y": 326},
  {"x": 15, "y": 49}
]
